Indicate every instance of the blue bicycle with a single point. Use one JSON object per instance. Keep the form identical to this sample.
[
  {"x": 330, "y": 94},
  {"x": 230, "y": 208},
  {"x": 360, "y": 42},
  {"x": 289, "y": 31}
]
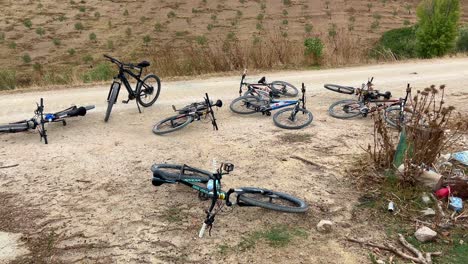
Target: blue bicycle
[{"x": 296, "y": 117}]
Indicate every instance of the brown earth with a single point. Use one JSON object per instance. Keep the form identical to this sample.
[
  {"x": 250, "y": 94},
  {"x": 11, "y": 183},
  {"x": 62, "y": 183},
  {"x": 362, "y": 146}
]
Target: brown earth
[
  {"x": 87, "y": 196},
  {"x": 180, "y": 23}
]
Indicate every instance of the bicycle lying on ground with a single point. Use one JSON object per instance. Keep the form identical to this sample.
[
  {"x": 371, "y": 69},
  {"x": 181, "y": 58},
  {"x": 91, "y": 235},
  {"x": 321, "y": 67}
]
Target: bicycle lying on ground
[
  {"x": 288, "y": 118},
  {"x": 146, "y": 90},
  {"x": 188, "y": 114},
  {"x": 262, "y": 88},
  {"x": 40, "y": 118},
  {"x": 394, "y": 113},
  {"x": 209, "y": 186}
]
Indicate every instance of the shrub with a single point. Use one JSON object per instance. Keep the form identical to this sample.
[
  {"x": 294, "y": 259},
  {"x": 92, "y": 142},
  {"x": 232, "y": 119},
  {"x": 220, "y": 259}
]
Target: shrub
[
  {"x": 12, "y": 45},
  {"x": 209, "y": 27},
  {"x": 87, "y": 58},
  {"x": 313, "y": 47},
  {"x": 27, "y": 23},
  {"x": 308, "y": 28},
  {"x": 82, "y": 9},
  {"x": 97, "y": 15},
  {"x": 110, "y": 44},
  {"x": 26, "y": 58},
  {"x": 462, "y": 43},
  {"x": 259, "y": 26},
  {"x": 71, "y": 51},
  {"x": 101, "y": 72},
  {"x": 285, "y": 12},
  {"x": 40, "y": 31},
  {"x": 125, "y": 13},
  {"x": 287, "y": 2},
  {"x": 171, "y": 14},
  {"x": 158, "y": 27},
  {"x": 37, "y": 66},
  {"x": 2, "y": 37},
  {"x": 146, "y": 39},
  {"x": 92, "y": 37},
  {"x": 260, "y": 16},
  {"x": 79, "y": 26},
  {"x": 56, "y": 41},
  {"x": 7, "y": 79},
  {"x": 438, "y": 25},
  {"x": 401, "y": 42},
  {"x": 406, "y": 22},
  {"x": 62, "y": 17},
  {"x": 285, "y": 22},
  {"x": 201, "y": 40}
]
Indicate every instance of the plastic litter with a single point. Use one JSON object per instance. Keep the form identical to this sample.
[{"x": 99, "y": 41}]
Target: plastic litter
[
  {"x": 442, "y": 193},
  {"x": 461, "y": 157},
  {"x": 456, "y": 204}
]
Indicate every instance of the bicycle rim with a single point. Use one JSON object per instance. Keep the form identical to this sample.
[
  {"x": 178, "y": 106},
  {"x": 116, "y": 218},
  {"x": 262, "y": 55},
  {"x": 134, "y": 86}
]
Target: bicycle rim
[
  {"x": 285, "y": 118},
  {"x": 247, "y": 104},
  {"x": 345, "y": 109},
  {"x": 272, "y": 200},
  {"x": 172, "y": 124}
]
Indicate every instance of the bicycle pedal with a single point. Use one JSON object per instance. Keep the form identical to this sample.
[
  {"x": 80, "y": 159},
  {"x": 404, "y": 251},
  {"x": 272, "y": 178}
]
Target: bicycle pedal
[{"x": 125, "y": 102}]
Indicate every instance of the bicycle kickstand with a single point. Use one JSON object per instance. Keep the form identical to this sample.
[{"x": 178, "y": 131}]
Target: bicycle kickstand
[{"x": 138, "y": 105}]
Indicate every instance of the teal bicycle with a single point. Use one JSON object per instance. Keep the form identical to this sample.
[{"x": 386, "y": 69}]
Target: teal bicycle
[{"x": 208, "y": 186}]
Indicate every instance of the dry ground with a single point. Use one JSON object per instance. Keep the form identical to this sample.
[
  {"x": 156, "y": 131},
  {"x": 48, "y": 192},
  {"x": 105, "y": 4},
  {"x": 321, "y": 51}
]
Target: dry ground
[{"x": 87, "y": 196}]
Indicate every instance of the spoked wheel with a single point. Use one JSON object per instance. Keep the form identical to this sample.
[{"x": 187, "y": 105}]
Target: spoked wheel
[
  {"x": 172, "y": 124},
  {"x": 284, "y": 88},
  {"x": 112, "y": 100},
  {"x": 247, "y": 104},
  {"x": 286, "y": 118},
  {"x": 339, "y": 88},
  {"x": 345, "y": 109},
  {"x": 272, "y": 200},
  {"x": 395, "y": 118},
  {"x": 148, "y": 91},
  {"x": 173, "y": 172}
]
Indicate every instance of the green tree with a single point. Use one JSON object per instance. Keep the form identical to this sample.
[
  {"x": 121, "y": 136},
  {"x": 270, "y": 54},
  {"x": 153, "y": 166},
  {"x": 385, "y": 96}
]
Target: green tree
[
  {"x": 438, "y": 27},
  {"x": 314, "y": 47}
]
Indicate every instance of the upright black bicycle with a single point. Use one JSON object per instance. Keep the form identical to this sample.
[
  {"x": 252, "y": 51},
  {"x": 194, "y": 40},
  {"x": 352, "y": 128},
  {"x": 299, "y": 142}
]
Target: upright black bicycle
[
  {"x": 208, "y": 186},
  {"x": 193, "y": 112},
  {"x": 146, "y": 90},
  {"x": 40, "y": 118}
]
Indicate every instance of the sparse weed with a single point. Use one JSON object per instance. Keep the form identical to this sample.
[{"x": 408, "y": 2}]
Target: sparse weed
[
  {"x": 7, "y": 79},
  {"x": 26, "y": 58}
]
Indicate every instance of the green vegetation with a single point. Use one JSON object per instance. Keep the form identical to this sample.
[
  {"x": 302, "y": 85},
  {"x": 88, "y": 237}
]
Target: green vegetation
[
  {"x": 231, "y": 36},
  {"x": 56, "y": 41},
  {"x": 27, "y": 23},
  {"x": 437, "y": 27},
  {"x": 12, "y": 45},
  {"x": 62, "y": 17},
  {"x": 171, "y": 14},
  {"x": 82, "y": 9},
  {"x": 26, "y": 58},
  {"x": 374, "y": 25},
  {"x": 125, "y": 13},
  {"x": 71, "y": 51},
  {"x": 201, "y": 40},
  {"x": 7, "y": 79},
  {"x": 259, "y": 26},
  {"x": 2, "y": 37},
  {"x": 287, "y": 2},
  {"x": 213, "y": 17},
  {"x": 285, "y": 12},
  {"x": 260, "y": 16},
  {"x": 308, "y": 28},
  {"x": 40, "y": 31},
  {"x": 87, "y": 58},
  {"x": 406, "y": 22},
  {"x": 97, "y": 15},
  {"x": 369, "y": 6},
  {"x": 79, "y": 26},
  {"x": 146, "y": 39},
  {"x": 158, "y": 27},
  {"x": 285, "y": 22},
  {"x": 182, "y": 33},
  {"x": 462, "y": 42},
  {"x": 275, "y": 236},
  {"x": 314, "y": 48},
  {"x": 101, "y": 72},
  {"x": 110, "y": 44},
  {"x": 37, "y": 67},
  {"x": 401, "y": 42},
  {"x": 210, "y": 27},
  {"x": 92, "y": 36},
  {"x": 128, "y": 32}
]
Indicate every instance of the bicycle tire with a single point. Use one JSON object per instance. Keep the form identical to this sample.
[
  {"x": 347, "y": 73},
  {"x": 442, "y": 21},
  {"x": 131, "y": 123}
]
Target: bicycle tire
[
  {"x": 157, "y": 128},
  {"x": 156, "y": 90},
  {"x": 112, "y": 100},
  {"x": 247, "y": 104},
  {"x": 390, "y": 118},
  {"x": 285, "y": 89},
  {"x": 343, "y": 104},
  {"x": 340, "y": 88},
  {"x": 287, "y": 124},
  {"x": 249, "y": 195},
  {"x": 14, "y": 128},
  {"x": 172, "y": 172}
]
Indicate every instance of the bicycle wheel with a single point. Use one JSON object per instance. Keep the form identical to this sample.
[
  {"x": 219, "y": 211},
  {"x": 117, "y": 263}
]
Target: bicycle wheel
[
  {"x": 172, "y": 124},
  {"x": 284, "y": 118},
  {"x": 16, "y": 127},
  {"x": 394, "y": 118},
  {"x": 272, "y": 200},
  {"x": 345, "y": 109},
  {"x": 112, "y": 100},
  {"x": 148, "y": 91},
  {"x": 284, "y": 88},
  {"x": 339, "y": 88},
  {"x": 245, "y": 105},
  {"x": 173, "y": 172}
]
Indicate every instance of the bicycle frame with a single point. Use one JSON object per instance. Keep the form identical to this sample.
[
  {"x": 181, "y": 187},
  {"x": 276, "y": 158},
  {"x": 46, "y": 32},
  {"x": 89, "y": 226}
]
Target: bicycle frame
[{"x": 121, "y": 76}]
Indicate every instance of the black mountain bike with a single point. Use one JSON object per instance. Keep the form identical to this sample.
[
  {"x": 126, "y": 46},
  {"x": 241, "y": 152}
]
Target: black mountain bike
[
  {"x": 208, "y": 186},
  {"x": 40, "y": 118},
  {"x": 146, "y": 90},
  {"x": 274, "y": 89},
  {"x": 188, "y": 114}
]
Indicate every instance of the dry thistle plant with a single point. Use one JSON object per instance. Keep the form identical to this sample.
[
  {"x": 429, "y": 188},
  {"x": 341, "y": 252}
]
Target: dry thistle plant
[
  {"x": 383, "y": 149},
  {"x": 432, "y": 128}
]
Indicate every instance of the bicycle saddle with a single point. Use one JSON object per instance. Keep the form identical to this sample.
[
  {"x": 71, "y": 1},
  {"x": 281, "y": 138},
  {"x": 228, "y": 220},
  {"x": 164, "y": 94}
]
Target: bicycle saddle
[
  {"x": 143, "y": 64},
  {"x": 80, "y": 111},
  {"x": 262, "y": 80}
]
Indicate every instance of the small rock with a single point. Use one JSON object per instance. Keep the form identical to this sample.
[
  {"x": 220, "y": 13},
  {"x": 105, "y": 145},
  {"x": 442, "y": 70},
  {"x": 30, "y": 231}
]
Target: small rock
[
  {"x": 380, "y": 261},
  {"x": 428, "y": 212},
  {"x": 425, "y": 234},
  {"x": 325, "y": 226},
  {"x": 426, "y": 199}
]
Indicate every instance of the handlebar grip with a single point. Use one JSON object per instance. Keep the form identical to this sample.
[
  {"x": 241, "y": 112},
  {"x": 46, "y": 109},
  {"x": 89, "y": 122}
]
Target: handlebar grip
[
  {"x": 371, "y": 79},
  {"x": 202, "y": 230}
]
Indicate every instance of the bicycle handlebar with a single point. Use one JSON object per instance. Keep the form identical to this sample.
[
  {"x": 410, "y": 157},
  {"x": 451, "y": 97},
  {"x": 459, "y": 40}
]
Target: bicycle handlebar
[{"x": 121, "y": 64}]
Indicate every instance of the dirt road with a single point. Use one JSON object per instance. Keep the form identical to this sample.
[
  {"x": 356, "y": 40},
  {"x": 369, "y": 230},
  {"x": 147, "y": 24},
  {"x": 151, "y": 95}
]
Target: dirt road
[{"x": 88, "y": 193}]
